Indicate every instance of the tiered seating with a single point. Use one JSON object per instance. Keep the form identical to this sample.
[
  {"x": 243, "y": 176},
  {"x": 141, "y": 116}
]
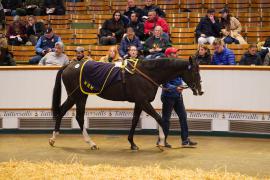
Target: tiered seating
[
  {"x": 76, "y": 8},
  {"x": 192, "y": 5},
  {"x": 237, "y": 5},
  {"x": 60, "y": 22},
  {"x": 22, "y": 54},
  {"x": 98, "y": 7},
  {"x": 182, "y": 35},
  {"x": 177, "y": 20},
  {"x": 253, "y": 15}
]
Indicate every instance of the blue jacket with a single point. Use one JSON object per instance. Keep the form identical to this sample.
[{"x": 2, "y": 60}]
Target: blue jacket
[
  {"x": 226, "y": 57},
  {"x": 44, "y": 43},
  {"x": 125, "y": 43},
  {"x": 172, "y": 85}
]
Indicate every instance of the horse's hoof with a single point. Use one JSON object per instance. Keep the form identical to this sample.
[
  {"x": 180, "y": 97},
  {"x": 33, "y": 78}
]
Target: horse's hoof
[
  {"x": 134, "y": 148},
  {"x": 94, "y": 147},
  {"x": 51, "y": 142}
]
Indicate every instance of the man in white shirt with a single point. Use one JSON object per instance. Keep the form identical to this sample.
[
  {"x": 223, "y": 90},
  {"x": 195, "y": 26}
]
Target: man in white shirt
[{"x": 56, "y": 58}]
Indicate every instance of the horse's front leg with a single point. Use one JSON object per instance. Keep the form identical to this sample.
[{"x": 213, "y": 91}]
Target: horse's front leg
[
  {"x": 135, "y": 119},
  {"x": 148, "y": 108}
]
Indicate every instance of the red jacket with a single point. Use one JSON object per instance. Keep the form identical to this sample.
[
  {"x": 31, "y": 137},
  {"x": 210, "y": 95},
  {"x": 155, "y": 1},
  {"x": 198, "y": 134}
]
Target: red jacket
[{"x": 158, "y": 21}]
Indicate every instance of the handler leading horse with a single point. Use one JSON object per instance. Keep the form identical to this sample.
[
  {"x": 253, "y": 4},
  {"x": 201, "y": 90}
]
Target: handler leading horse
[{"x": 139, "y": 88}]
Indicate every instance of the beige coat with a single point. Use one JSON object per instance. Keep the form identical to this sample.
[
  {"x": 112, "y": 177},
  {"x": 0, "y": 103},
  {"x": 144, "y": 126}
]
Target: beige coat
[{"x": 234, "y": 31}]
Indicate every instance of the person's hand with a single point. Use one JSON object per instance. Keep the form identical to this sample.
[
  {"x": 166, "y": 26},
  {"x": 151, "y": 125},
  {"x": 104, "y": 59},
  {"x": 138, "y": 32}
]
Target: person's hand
[
  {"x": 44, "y": 52},
  {"x": 179, "y": 89},
  {"x": 113, "y": 34},
  {"x": 212, "y": 19},
  {"x": 151, "y": 50},
  {"x": 203, "y": 35},
  {"x": 49, "y": 50},
  {"x": 158, "y": 49},
  {"x": 12, "y": 37}
]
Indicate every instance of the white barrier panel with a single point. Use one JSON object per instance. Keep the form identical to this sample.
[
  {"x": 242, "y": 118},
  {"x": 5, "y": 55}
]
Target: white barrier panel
[{"x": 227, "y": 89}]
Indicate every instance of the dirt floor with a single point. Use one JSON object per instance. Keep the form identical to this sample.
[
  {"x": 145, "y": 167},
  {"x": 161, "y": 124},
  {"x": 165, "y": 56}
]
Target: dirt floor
[{"x": 249, "y": 156}]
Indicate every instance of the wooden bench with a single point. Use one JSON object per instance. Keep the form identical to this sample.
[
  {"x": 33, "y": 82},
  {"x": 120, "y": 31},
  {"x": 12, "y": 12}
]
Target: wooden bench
[{"x": 182, "y": 35}]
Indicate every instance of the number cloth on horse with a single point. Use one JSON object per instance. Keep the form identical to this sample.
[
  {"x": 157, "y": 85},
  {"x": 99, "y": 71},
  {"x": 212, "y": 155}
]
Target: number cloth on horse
[{"x": 95, "y": 76}]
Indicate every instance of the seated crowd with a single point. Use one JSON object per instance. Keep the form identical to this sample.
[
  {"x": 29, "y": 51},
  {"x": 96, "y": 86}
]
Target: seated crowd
[{"x": 142, "y": 33}]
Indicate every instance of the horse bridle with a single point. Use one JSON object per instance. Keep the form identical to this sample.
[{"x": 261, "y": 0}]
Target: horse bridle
[{"x": 150, "y": 79}]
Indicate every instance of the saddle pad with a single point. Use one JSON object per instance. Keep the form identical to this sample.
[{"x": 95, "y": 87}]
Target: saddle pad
[{"x": 96, "y": 76}]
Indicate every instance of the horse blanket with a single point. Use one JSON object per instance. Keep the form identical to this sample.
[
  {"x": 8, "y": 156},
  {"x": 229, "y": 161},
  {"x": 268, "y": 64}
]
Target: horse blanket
[{"x": 96, "y": 76}]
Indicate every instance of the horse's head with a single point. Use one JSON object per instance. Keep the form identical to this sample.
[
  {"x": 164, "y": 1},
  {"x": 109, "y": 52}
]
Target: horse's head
[{"x": 192, "y": 77}]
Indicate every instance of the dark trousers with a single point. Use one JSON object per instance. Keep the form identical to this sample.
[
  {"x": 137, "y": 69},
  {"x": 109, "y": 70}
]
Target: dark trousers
[{"x": 170, "y": 103}]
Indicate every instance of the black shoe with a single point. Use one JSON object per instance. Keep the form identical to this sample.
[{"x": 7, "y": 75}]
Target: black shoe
[
  {"x": 167, "y": 145},
  {"x": 189, "y": 143}
]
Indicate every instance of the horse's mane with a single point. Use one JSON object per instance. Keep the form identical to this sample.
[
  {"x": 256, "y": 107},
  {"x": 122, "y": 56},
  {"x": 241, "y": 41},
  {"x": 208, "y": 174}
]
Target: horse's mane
[{"x": 151, "y": 64}]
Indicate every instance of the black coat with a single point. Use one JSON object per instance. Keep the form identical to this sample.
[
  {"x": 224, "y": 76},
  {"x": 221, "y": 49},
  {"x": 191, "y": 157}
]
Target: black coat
[
  {"x": 208, "y": 28},
  {"x": 159, "y": 11},
  {"x": 40, "y": 29},
  {"x": 203, "y": 60},
  {"x": 248, "y": 59},
  {"x": 138, "y": 29},
  {"x": 111, "y": 26},
  {"x": 135, "y": 9},
  {"x": 12, "y": 4}
]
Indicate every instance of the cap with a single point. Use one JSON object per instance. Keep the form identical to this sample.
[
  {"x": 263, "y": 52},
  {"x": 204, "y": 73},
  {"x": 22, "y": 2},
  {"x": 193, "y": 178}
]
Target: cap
[
  {"x": 48, "y": 30},
  {"x": 79, "y": 49},
  {"x": 211, "y": 10},
  {"x": 224, "y": 10},
  {"x": 170, "y": 50}
]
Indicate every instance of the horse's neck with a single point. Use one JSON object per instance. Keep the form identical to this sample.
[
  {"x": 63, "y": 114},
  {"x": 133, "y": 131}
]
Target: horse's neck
[{"x": 169, "y": 71}]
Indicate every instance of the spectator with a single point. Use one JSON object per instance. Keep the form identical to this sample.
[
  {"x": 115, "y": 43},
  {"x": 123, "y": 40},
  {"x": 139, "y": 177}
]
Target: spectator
[
  {"x": 132, "y": 8},
  {"x": 264, "y": 48},
  {"x": 2, "y": 17},
  {"x": 156, "y": 45},
  {"x": 34, "y": 29},
  {"x": 173, "y": 100},
  {"x": 34, "y": 7},
  {"x": 231, "y": 28},
  {"x": 13, "y": 7},
  {"x": 112, "y": 30},
  {"x": 137, "y": 26},
  {"x": 16, "y": 32},
  {"x": 149, "y": 6},
  {"x": 251, "y": 57},
  {"x": 56, "y": 58},
  {"x": 80, "y": 56},
  {"x": 128, "y": 40},
  {"x": 5, "y": 56},
  {"x": 45, "y": 44},
  {"x": 54, "y": 7},
  {"x": 203, "y": 55},
  {"x": 222, "y": 55},
  {"x": 152, "y": 22},
  {"x": 208, "y": 29},
  {"x": 133, "y": 53},
  {"x": 112, "y": 56}
]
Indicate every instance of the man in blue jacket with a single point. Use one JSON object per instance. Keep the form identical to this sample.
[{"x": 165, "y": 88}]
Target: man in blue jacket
[
  {"x": 45, "y": 44},
  {"x": 222, "y": 55},
  {"x": 173, "y": 99}
]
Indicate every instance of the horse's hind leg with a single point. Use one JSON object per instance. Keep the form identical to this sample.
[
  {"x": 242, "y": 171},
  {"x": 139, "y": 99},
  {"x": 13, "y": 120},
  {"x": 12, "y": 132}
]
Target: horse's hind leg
[
  {"x": 135, "y": 119},
  {"x": 64, "y": 108},
  {"x": 80, "y": 111},
  {"x": 148, "y": 108}
]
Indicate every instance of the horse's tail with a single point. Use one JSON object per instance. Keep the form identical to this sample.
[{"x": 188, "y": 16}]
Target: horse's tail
[{"x": 57, "y": 93}]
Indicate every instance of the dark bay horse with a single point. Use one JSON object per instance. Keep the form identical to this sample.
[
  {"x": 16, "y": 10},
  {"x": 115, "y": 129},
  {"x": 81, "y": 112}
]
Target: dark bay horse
[{"x": 136, "y": 89}]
